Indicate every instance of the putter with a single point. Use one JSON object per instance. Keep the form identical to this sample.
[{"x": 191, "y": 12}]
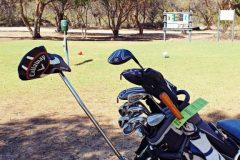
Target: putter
[
  {"x": 38, "y": 63},
  {"x": 121, "y": 56}
]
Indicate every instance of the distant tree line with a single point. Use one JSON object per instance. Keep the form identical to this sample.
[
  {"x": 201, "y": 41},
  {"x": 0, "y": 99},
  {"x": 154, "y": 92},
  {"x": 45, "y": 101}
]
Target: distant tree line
[{"x": 112, "y": 14}]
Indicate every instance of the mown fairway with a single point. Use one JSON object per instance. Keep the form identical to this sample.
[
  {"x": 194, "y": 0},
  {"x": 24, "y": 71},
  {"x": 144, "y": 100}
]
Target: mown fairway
[{"x": 43, "y": 109}]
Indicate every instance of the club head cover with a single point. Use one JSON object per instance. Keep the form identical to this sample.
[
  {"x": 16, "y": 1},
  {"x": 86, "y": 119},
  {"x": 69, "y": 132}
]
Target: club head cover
[{"x": 38, "y": 63}]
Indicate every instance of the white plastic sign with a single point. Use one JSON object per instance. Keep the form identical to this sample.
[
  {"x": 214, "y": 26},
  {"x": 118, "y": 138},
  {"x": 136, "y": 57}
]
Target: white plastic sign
[{"x": 227, "y": 15}]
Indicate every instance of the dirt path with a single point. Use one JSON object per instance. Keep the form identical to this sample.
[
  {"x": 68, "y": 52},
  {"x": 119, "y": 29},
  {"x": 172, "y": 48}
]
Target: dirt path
[{"x": 19, "y": 33}]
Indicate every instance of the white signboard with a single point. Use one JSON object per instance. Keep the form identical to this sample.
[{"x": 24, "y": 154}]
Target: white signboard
[
  {"x": 227, "y": 15},
  {"x": 177, "y": 20}
]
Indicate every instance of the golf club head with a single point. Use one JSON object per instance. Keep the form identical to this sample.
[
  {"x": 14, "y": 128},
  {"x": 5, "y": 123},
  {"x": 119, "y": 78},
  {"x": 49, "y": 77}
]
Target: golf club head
[
  {"x": 133, "y": 124},
  {"x": 155, "y": 119},
  {"x": 38, "y": 63},
  {"x": 123, "y": 109},
  {"x": 133, "y": 110},
  {"x": 120, "y": 56},
  {"x": 123, "y": 95},
  {"x": 129, "y": 128},
  {"x": 135, "y": 97},
  {"x": 136, "y": 110},
  {"x": 140, "y": 120},
  {"x": 122, "y": 121},
  {"x": 130, "y": 110},
  {"x": 141, "y": 131}
]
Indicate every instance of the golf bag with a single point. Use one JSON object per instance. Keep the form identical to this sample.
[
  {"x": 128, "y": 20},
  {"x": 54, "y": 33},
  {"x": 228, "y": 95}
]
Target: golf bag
[{"x": 193, "y": 139}]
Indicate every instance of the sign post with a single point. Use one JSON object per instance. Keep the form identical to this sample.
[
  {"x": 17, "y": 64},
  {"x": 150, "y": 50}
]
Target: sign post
[
  {"x": 226, "y": 15},
  {"x": 177, "y": 21}
]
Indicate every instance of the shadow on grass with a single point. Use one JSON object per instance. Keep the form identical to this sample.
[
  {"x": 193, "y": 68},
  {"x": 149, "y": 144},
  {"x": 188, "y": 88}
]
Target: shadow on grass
[
  {"x": 86, "y": 61},
  {"x": 44, "y": 137},
  {"x": 218, "y": 115}
]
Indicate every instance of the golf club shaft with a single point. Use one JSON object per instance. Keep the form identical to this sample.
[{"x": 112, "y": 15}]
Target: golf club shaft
[{"x": 80, "y": 102}]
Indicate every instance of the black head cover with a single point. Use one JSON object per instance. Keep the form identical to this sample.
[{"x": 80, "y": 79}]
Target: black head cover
[
  {"x": 134, "y": 76},
  {"x": 38, "y": 63},
  {"x": 152, "y": 81},
  {"x": 120, "y": 56}
]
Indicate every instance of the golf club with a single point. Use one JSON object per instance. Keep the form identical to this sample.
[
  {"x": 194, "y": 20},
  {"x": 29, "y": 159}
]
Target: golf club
[
  {"x": 141, "y": 120},
  {"x": 122, "y": 121},
  {"x": 141, "y": 131},
  {"x": 155, "y": 119},
  {"x": 134, "y": 97},
  {"x": 38, "y": 63},
  {"x": 123, "y": 109},
  {"x": 121, "y": 56},
  {"x": 133, "y": 124},
  {"x": 123, "y": 95},
  {"x": 133, "y": 110}
]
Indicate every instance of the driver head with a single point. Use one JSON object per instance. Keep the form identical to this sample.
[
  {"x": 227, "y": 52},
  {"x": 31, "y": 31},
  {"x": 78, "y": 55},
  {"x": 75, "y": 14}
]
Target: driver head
[
  {"x": 38, "y": 63},
  {"x": 120, "y": 56}
]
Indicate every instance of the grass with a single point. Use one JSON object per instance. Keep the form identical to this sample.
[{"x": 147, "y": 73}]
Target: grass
[{"x": 205, "y": 69}]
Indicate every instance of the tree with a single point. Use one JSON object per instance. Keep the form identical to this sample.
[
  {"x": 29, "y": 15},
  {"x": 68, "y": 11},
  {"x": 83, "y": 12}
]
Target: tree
[
  {"x": 7, "y": 10},
  {"x": 155, "y": 10},
  {"x": 139, "y": 13},
  {"x": 117, "y": 12},
  {"x": 81, "y": 8},
  {"x": 235, "y": 4},
  {"x": 59, "y": 7},
  {"x": 97, "y": 12},
  {"x": 207, "y": 10},
  {"x": 39, "y": 8}
]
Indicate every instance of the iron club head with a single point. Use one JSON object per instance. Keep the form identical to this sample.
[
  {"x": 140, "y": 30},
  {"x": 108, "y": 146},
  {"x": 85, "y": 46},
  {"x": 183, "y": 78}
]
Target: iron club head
[{"x": 155, "y": 119}]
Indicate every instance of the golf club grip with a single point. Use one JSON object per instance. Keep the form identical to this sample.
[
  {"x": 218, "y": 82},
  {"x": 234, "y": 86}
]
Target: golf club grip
[{"x": 168, "y": 102}]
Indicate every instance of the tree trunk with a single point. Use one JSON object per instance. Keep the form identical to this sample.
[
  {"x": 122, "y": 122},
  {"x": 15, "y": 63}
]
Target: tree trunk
[
  {"x": 86, "y": 23},
  {"x": 139, "y": 24},
  {"x": 36, "y": 33},
  {"x": 59, "y": 18},
  {"x": 99, "y": 21},
  {"x": 37, "y": 21},
  {"x": 140, "y": 28},
  {"x": 115, "y": 33},
  {"x": 24, "y": 18}
]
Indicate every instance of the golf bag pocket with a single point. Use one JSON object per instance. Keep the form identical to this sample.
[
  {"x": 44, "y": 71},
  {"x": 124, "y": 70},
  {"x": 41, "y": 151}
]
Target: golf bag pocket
[{"x": 167, "y": 137}]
